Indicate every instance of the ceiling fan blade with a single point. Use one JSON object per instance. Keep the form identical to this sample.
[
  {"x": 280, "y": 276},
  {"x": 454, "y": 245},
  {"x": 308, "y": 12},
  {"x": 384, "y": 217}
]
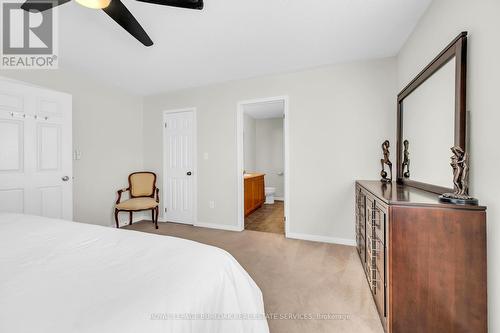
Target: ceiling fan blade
[
  {"x": 190, "y": 4},
  {"x": 121, "y": 15},
  {"x": 40, "y": 5}
]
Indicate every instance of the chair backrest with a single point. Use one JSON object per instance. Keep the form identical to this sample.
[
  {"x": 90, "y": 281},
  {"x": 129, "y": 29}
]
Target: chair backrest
[{"x": 142, "y": 184}]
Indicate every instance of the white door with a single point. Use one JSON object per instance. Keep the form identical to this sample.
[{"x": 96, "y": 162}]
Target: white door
[
  {"x": 179, "y": 167},
  {"x": 35, "y": 151}
]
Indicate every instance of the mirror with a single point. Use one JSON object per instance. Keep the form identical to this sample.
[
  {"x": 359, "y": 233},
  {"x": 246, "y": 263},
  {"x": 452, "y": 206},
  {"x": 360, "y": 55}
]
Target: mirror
[
  {"x": 428, "y": 125},
  {"x": 431, "y": 120}
]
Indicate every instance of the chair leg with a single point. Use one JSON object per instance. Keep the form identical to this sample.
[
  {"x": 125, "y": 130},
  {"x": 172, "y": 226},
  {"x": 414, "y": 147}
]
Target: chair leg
[
  {"x": 156, "y": 218},
  {"x": 153, "y": 215},
  {"x": 116, "y": 218},
  {"x": 130, "y": 218}
]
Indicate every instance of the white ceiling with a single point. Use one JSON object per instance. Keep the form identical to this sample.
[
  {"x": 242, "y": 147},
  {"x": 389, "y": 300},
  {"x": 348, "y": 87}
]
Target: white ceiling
[
  {"x": 230, "y": 39},
  {"x": 265, "y": 110}
]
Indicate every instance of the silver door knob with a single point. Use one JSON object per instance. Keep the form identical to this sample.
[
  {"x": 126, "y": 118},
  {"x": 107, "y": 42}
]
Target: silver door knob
[{"x": 65, "y": 178}]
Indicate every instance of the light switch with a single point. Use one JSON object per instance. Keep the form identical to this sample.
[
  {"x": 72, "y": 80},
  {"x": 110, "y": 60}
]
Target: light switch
[
  {"x": 205, "y": 156},
  {"x": 77, "y": 155}
]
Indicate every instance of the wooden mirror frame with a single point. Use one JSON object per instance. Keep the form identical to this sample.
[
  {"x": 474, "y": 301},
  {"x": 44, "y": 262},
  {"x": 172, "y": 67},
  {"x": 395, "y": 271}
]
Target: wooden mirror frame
[{"x": 456, "y": 49}]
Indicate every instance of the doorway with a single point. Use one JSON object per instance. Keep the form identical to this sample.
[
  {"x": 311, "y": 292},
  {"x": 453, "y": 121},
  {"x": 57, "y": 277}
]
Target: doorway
[
  {"x": 179, "y": 166},
  {"x": 263, "y": 168}
]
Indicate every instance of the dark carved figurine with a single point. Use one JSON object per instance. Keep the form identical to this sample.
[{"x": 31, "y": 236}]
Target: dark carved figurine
[
  {"x": 385, "y": 161},
  {"x": 460, "y": 166},
  {"x": 406, "y": 160},
  {"x": 459, "y": 163}
]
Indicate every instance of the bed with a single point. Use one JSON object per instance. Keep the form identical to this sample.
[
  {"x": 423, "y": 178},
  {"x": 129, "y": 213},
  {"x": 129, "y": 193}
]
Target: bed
[{"x": 61, "y": 276}]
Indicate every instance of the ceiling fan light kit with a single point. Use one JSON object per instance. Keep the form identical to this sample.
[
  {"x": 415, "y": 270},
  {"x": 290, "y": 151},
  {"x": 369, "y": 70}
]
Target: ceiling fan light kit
[
  {"x": 118, "y": 12},
  {"x": 94, "y": 4}
]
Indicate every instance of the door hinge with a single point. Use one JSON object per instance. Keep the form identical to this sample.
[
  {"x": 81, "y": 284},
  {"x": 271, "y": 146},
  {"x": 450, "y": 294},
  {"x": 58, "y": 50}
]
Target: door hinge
[
  {"x": 165, "y": 209},
  {"x": 165, "y": 125},
  {"x": 284, "y": 218}
]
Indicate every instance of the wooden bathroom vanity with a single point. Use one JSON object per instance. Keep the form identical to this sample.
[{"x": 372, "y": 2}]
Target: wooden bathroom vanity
[{"x": 254, "y": 192}]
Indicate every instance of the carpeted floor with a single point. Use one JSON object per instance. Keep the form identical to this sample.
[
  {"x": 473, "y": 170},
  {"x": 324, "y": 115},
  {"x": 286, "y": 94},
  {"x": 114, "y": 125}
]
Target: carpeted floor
[
  {"x": 297, "y": 278},
  {"x": 268, "y": 218}
]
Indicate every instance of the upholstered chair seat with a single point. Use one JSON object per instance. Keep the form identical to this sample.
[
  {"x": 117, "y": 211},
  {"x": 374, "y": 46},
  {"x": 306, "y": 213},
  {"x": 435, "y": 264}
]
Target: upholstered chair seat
[
  {"x": 137, "y": 204},
  {"x": 144, "y": 195}
]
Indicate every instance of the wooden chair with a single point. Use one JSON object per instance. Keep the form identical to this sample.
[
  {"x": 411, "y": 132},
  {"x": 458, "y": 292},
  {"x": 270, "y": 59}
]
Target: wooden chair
[{"x": 144, "y": 195}]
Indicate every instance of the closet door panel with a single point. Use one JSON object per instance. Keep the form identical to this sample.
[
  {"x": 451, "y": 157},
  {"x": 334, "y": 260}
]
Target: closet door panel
[
  {"x": 48, "y": 147},
  {"x": 12, "y": 152},
  {"x": 12, "y": 200},
  {"x": 11, "y": 145}
]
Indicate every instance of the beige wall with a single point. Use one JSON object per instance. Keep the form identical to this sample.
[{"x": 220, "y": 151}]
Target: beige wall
[
  {"x": 107, "y": 128},
  {"x": 270, "y": 156},
  {"x": 249, "y": 141},
  {"x": 339, "y": 115},
  {"x": 443, "y": 21}
]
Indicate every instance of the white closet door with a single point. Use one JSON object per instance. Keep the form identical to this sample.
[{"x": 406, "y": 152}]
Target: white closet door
[
  {"x": 179, "y": 167},
  {"x": 35, "y": 151}
]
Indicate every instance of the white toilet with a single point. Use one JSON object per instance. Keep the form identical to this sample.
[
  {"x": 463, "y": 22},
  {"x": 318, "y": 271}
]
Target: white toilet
[{"x": 270, "y": 191}]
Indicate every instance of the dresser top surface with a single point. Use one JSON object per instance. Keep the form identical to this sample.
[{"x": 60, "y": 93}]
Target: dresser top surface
[
  {"x": 253, "y": 175},
  {"x": 396, "y": 194}
]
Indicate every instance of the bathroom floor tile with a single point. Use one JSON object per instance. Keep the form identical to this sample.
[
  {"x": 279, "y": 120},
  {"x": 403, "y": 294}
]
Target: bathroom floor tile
[{"x": 268, "y": 218}]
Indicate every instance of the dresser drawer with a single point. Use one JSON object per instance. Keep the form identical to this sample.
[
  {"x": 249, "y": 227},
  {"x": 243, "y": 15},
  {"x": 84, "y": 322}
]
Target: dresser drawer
[
  {"x": 379, "y": 221},
  {"x": 370, "y": 204},
  {"x": 360, "y": 204},
  {"x": 379, "y": 292},
  {"x": 371, "y": 271},
  {"x": 361, "y": 225},
  {"x": 361, "y": 247},
  {"x": 375, "y": 250},
  {"x": 378, "y": 253}
]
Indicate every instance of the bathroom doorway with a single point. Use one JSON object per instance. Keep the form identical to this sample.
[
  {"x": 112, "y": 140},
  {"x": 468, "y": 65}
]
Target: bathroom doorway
[{"x": 262, "y": 129}]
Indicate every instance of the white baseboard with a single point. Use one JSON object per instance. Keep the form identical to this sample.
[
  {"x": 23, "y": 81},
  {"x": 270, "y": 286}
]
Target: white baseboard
[
  {"x": 292, "y": 235},
  {"x": 279, "y": 198},
  {"x": 205, "y": 225},
  {"x": 170, "y": 220},
  {"x": 323, "y": 239},
  {"x": 218, "y": 226}
]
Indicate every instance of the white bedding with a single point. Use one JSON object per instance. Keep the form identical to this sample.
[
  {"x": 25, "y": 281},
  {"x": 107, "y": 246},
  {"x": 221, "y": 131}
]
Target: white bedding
[{"x": 60, "y": 276}]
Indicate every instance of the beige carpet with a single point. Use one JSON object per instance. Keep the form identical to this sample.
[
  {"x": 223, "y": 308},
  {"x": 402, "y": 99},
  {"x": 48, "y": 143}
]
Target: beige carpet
[{"x": 297, "y": 278}]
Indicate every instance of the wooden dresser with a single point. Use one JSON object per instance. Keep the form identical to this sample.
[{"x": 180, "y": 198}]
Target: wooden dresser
[
  {"x": 254, "y": 192},
  {"x": 425, "y": 262}
]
